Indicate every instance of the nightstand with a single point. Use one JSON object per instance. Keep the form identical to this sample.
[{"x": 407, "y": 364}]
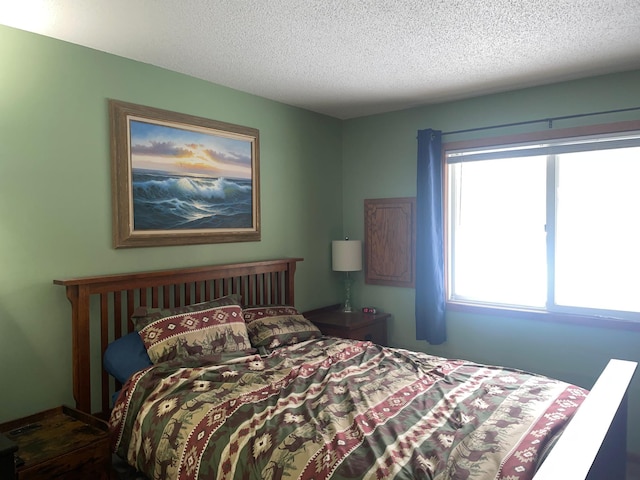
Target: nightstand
[
  {"x": 8, "y": 450},
  {"x": 355, "y": 325},
  {"x": 60, "y": 443}
]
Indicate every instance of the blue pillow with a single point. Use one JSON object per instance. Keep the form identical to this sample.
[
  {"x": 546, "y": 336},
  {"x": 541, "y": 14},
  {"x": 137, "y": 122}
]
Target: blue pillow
[{"x": 125, "y": 356}]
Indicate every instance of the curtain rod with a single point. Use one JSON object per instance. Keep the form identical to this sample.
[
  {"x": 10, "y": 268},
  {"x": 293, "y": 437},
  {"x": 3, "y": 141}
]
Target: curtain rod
[{"x": 547, "y": 120}]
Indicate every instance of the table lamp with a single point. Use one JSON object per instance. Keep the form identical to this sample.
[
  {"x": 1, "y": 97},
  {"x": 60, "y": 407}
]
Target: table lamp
[{"x": 346, "y": 257}]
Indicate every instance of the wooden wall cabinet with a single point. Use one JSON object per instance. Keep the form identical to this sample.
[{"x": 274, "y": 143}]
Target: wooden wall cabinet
[{"x": 390, "y": 241}]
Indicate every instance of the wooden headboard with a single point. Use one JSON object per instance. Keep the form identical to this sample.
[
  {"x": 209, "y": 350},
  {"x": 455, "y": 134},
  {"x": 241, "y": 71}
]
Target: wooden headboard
[{"x": 105, "y": 303}]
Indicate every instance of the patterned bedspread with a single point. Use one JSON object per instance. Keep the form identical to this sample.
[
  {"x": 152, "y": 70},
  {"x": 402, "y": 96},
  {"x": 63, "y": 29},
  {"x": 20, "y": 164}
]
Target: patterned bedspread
[{"x": 338, "y": 409}]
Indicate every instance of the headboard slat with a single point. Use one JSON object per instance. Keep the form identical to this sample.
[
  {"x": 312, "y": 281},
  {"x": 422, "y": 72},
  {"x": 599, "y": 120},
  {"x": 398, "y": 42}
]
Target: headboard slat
[
  {"x": 259, "y": 282},
  {"x": 130, "y": 307}
]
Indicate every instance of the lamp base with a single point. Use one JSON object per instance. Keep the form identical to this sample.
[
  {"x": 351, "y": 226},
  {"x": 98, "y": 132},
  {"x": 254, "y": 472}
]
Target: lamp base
[{"x": 347, "y": 294}]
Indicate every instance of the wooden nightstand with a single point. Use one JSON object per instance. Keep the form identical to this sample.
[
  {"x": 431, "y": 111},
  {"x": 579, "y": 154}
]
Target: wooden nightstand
[
  {"x": 60, "y": 443},
  {"x": 8, "y": 450},
  {"x": 355, "y": 325}
]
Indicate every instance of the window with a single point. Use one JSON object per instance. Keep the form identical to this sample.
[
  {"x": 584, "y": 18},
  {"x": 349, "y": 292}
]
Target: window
[{"x": 548, "y": 225}]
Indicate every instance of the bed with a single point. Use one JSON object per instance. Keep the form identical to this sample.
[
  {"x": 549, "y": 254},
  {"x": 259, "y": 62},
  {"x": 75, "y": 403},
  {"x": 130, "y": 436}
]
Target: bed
[{"x": 263, "y": 394}]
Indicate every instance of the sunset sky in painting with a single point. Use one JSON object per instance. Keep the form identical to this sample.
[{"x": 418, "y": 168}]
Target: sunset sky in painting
[{"x": 185, "y": 152}]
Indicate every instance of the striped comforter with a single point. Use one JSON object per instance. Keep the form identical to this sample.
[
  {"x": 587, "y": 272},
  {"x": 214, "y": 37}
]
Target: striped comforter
[{"x": 337, "y": 409}]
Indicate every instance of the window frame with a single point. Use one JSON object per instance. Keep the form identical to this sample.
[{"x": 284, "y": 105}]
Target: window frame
[{"x": 599, "y": 319}]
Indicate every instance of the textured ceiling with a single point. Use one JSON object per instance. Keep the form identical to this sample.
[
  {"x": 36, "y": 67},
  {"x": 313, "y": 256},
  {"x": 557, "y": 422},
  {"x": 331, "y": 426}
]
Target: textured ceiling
[{"x": 349, "y": 58}]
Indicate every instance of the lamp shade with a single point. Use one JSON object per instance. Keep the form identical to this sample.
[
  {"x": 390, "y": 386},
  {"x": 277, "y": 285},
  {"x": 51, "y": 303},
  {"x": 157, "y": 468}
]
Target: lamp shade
[{"x": 346, "y": 255}]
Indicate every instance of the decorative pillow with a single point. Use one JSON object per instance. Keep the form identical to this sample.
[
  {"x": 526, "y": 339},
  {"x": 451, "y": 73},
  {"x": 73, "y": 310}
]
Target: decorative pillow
[
  {"x": 212, "y": 330},
  {"x": 273, "y": 327},
  {"x": 125, "y": 356},
  {"x": 254, "y": 313},
  {"x": 143, "y": 316}
]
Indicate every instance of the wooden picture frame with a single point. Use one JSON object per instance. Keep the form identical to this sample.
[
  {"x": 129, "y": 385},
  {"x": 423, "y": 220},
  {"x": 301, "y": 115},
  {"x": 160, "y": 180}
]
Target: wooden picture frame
[
  {"x": 390, "y": 241},
  {"x": 179, "y": 179}
]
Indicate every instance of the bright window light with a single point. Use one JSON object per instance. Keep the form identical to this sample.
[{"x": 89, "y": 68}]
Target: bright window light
[
  {"x": 598, "y": 233},
  {"x": 552, "y": 227}
]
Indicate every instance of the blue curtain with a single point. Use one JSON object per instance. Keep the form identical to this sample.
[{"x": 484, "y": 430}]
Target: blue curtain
[{"x": 430, "y": 291}]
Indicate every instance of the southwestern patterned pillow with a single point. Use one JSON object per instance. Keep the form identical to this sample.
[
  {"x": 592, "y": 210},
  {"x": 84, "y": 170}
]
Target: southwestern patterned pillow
[
  {"x": 273, "y": 327},
  {"x": 205, "y": 332},
  {"x": 254, "y": 313},
  {"x": 143, "y": 316}
]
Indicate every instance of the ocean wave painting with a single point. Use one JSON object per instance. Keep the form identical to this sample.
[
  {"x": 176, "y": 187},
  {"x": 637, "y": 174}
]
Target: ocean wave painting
[
  {"x": 164, "y": 201},
  {"x": 183, "y": 179}
]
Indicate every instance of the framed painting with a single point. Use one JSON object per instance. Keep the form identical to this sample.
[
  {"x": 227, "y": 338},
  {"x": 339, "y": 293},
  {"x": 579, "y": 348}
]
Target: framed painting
[{"x": 178, "y": 179}]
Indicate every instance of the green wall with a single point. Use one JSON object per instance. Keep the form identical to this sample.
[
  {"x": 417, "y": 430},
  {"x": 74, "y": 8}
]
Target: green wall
[
  {"x": 380, "y": 161},
  {"x": 55, "y": 196},
  {"x": 55, "y": 207}
]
